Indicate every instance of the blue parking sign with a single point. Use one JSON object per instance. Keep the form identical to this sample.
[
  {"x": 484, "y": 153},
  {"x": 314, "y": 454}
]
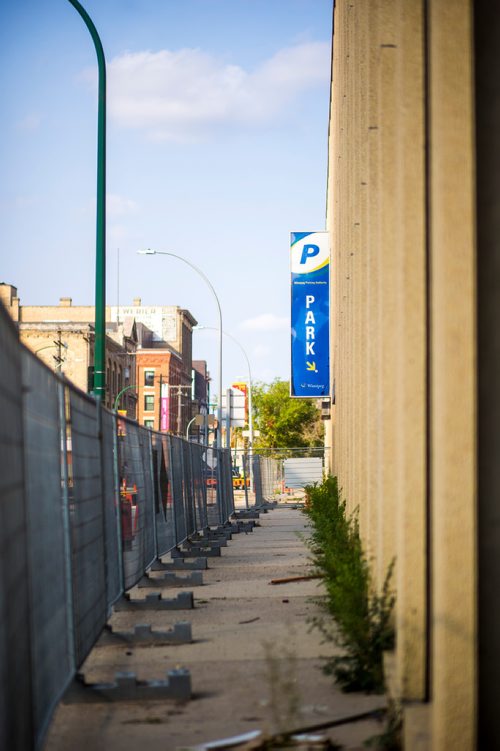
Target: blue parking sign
[{"x": 310, "y": 314}]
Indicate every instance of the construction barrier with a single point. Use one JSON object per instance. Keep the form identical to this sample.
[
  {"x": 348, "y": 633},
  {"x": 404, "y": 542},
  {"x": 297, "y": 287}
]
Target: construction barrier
[{"x": 88, "y": 503}]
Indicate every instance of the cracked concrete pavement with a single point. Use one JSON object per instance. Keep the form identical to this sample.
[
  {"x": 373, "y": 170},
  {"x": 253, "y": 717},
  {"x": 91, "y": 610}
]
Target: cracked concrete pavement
[{"x": 254, "y": 660}]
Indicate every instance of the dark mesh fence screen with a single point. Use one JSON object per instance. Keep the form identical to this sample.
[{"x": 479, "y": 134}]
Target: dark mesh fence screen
[
  {"x": 87, "y": 524},
  {"x": 112, "y": 540},
  {"x": 164, "y": 513},
  {"x": 87, "y": 502},
  {"x": 16, "y": 727},
  {"x": 136, "y": 500},
  {"x": 178, "y": 488},
  {"x": 47, "y": 544}
]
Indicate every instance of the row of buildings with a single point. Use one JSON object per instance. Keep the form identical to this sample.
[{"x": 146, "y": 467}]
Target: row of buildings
[{"x": 150, "y": 372}]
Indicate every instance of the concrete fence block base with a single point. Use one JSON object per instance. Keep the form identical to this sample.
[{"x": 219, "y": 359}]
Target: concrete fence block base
[
  {"x": 179, "y": 564},
  {"x": 155, "y": 601},
  {"x": 196, "y": 550},
  {"x": 171, "y": 579},
  {"x": 143, "y": 633},
  {"x": 126, "y": 687},
  {"x": 220, "y": 542}
]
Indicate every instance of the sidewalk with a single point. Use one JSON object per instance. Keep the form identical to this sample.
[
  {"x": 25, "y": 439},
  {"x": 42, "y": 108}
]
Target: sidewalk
[{"x": 249, "y": 636}]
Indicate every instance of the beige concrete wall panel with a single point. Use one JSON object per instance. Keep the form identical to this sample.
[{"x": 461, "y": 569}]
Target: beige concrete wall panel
[
  {"x": 411, "y": 352},
  {"x": 336, "y": 168},
  {"x": 347, "y": 270},
  {"x": 330, "y": 425},
  {"x": 388, "y": 313},
  {"x": 353, "y": 249},
  {"x": 343, "y": 313},
  {"x": 453, "y": 395},
  {"x": 361, "y": 272},
  {"x": 373, "y": 245}
]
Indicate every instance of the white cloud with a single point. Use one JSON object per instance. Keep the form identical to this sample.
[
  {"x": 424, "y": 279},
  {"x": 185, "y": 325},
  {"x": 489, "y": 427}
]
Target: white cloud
[
  {"x": 266, "y": 322},
  {"x": 118, "y": 206},
  {"x": 117, "y": 233},
  {"x": 179, "y": 95}
]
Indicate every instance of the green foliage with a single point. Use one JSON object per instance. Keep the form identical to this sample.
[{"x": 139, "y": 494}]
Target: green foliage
[
  {"x": 284, "y": 422},
  {"x": 362, "y": 617},
  {"x": 282, "y": 678}
]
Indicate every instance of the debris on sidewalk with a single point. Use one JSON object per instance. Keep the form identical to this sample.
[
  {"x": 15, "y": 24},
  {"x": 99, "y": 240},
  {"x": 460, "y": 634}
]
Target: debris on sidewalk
[
  {"x": 256, "y": 740},
  {"x": 301, "y": 739},
  {"x": 287, "y": 579}
]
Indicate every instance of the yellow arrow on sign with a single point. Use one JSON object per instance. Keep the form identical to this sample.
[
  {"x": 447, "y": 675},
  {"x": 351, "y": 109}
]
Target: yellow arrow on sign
[{"x": 311, "y": 365}]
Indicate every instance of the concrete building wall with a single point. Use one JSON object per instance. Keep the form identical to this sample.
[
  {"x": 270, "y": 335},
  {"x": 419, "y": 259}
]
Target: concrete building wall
[
  {"x": 76, "y": 351},
  {"x": 487, "y": 100},
  {"x": 401, "y": 212},
  {"x": 74, "y": 345},
  {"x": 453, "y": 374}
]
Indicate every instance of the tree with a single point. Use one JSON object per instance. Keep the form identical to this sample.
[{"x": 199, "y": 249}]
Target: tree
[{"x": 284, "y": 422}]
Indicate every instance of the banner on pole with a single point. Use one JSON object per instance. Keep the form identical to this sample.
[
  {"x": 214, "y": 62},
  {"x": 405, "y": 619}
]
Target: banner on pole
[
  {"x": 310, "y": 314},
  {"x": 165, "y": 408}
]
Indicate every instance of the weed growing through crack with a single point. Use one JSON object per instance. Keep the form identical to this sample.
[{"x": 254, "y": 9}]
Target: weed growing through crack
[
  {"x": 282, "y": 680},
  {"x": 360, "y": 618},
  {"x": 391, "y": 737}
]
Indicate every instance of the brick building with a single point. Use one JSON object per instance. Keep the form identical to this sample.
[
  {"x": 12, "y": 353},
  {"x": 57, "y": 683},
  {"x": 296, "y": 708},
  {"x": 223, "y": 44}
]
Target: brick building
[
  {"x": 148, "y": 351},
  {"x": 163, "y": 363},
  {"x": 160, "y": 406}
]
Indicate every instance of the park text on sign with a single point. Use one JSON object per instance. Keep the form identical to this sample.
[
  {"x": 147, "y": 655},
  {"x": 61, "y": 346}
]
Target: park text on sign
[{"x": 310, "y": 303}]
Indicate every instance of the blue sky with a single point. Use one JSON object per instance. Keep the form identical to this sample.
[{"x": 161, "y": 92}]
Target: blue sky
[{"x": 217, "y": 150}]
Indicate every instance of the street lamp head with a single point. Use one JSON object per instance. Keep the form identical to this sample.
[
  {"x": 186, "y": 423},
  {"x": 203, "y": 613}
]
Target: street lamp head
[{"x": 200, "y": 272}]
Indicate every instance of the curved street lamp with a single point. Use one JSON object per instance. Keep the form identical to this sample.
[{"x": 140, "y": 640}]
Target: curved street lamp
[
  {"x": 150, "y": 252},
  {"x": 100, "y": 274},
  {"x": 250, "y": 413},
  {"x": 130, "y": 386}
]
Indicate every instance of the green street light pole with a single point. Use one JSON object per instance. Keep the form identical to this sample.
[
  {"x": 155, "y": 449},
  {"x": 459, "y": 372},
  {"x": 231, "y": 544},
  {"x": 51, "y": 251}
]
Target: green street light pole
[
  {"x": 99, "y": 389},
  {"x": 130, "y": 386}
]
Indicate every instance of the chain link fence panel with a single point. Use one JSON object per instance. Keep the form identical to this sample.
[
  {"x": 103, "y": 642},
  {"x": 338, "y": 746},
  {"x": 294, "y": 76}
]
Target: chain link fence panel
[
  {"x": 16, "y": 722},
  {"x": 52, "y": 647},
  {"x": 111, "y": 498},
  {"x": 162, "y": 479},
  {"x": 136, "y": 500},
  {"x": 88, "y": 502},
  {"x": 199, "y": 486},
  {"x": 178, "y": 488},
  {"x": 85, "y": 491},
  {"x": 280, "y": 472}
]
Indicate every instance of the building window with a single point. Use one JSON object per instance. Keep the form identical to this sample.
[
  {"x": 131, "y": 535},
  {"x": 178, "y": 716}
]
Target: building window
[
  {"x": 149, "y": 402},
  {"x": 149, "y": 424},
  {"x": 149, "y": 378}
]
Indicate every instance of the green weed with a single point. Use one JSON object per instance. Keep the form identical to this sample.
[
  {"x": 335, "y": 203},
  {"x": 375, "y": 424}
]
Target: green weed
[
  {"x": 361, "y": 623},
  {"x": 391, "y": 737},
  {"x": 282, "y": 679}
]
